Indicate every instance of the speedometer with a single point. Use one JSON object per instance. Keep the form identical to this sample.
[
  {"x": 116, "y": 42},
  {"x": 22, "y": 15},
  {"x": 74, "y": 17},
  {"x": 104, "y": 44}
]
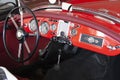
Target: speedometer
[
  {"x": 44, "y": 28},
  {"x": 33, "y": 25}
]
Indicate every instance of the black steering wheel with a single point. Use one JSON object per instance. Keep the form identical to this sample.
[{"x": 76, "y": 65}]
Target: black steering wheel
[{"x": 16, "y": 39}]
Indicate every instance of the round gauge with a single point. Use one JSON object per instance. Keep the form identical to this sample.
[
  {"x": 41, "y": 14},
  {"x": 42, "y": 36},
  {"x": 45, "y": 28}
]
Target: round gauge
[
  {"x": 73, "y": 32},
  {"x": 32, "y": 25},
  {"x": 53, "y": 27},
  {"x": 44, "y": 27}
]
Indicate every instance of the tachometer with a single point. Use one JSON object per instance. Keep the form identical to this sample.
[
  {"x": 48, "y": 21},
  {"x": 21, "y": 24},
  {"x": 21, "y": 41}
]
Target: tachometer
[{"x": 44, "y": 28}]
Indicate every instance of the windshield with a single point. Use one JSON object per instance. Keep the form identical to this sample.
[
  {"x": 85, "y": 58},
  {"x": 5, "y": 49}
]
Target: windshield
[
  {"x": 4, "y": 1},
  {"x": 5, "y": 7},
  {"x": 6, "y": 4},
  {"x": 7, "y": 1}
]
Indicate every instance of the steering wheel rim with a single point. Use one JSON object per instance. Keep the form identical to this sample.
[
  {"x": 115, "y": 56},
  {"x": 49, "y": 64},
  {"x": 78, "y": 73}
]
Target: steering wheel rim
[{"x": 20, "y": 37}]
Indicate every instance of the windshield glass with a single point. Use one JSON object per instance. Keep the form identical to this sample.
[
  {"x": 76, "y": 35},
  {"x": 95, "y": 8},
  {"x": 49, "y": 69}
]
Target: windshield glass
[
  {"x": 5, "y": 7},
  {"x": 4, "y": 1},
  {"x": 6, "y": 4}
]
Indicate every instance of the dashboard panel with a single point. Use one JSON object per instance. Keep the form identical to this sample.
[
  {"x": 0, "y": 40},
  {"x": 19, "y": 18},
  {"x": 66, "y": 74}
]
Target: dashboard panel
[{"x": 79, "y": 35}]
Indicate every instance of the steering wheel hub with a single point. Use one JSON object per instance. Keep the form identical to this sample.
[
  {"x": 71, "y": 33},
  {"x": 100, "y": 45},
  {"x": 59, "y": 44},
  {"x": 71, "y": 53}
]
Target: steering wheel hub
[{"x": 20, "y": 34}]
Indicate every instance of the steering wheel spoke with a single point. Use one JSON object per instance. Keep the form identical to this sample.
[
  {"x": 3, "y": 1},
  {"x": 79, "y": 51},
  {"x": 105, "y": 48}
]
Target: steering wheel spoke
[
  {"x": 27, "y": 47},
  {"x": 32, "y": 35},
  {"x": 20, "y": 50},
  {"x": 21, "y": 16},
  {"x": 14, "y": 22}
]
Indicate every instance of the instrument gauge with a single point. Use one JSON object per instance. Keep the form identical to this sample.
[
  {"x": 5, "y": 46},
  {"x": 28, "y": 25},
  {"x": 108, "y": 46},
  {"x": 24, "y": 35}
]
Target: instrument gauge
[
  {"x": 73, "y": 32},
  {"x": 53, "y": 27},
  {"x": 44, "y": 28},
  {"x": 33, "y": 25}
]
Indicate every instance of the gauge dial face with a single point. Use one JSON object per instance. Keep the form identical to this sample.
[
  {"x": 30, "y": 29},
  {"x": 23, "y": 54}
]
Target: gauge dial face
[
  {"x": 33, "y": 25},
  {"x": 44, "y": 28},
  {"x": 73, "y": 32},
  {"x": 53, "y": 27}
]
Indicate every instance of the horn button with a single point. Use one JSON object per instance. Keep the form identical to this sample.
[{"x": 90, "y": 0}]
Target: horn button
[{"x": 20, "y": 34}]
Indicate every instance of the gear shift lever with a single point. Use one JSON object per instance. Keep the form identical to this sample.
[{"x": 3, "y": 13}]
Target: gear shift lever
[{"x": 57, "y": 66}]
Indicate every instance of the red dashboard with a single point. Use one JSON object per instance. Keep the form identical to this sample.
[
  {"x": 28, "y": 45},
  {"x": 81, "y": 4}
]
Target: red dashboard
[{"x": 79, "y": 35}]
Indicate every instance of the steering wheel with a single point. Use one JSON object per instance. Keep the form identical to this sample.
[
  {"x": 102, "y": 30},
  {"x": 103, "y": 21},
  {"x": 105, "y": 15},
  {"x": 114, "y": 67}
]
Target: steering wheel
[{"x": 16, "y": 39}]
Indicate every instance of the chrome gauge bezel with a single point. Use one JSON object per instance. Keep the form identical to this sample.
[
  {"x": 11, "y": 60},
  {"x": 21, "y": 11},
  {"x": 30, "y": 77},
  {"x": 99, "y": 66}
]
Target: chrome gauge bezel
[
  {"x": 53, "y": 27},
  {"x": 32, "y": 26},
  {"x": 44, "y": 27},
  {"x": 73, "y": 32}
]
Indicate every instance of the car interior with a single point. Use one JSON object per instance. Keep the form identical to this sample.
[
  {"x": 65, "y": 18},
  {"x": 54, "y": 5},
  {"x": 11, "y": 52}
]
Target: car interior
[{"x": 60, "y": 40}]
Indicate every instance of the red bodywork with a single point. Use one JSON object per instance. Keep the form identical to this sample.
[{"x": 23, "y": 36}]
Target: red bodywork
[
  {"x": 82, "y": 1},
  {"x": 84, "y": 23}
]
